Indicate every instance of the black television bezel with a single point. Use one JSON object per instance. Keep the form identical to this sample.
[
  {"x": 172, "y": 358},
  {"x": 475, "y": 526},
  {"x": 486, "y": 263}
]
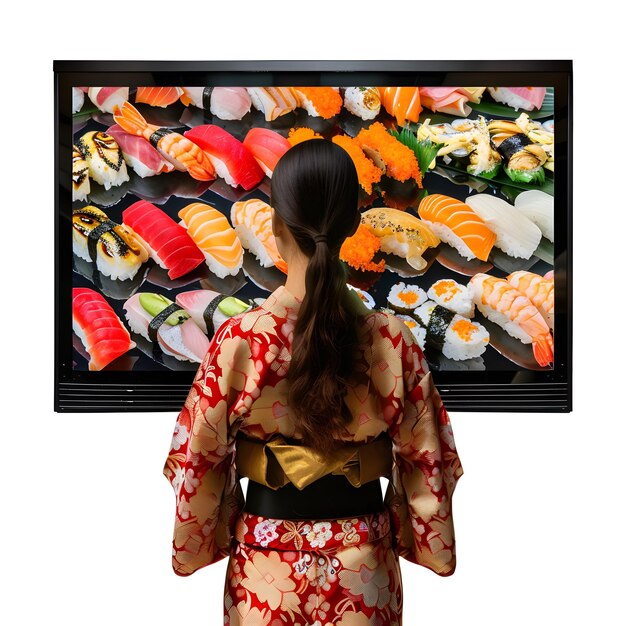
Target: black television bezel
[{"x": 117, "y": 391}]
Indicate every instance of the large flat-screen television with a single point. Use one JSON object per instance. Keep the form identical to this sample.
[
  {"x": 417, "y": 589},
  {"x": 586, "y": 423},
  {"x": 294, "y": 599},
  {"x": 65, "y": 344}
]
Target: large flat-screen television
[{"x": 162, "y": 192}]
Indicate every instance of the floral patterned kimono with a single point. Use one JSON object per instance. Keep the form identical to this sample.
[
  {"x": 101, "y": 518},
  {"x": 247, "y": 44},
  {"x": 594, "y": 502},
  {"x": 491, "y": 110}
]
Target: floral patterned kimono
[{"x": 340, "y": 572}]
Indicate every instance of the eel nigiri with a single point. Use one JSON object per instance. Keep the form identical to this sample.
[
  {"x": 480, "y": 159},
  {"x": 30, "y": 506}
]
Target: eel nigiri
[
  {"x": 401, "y": 233},
  {"x": 252, "y": 219},
  {"x": 508, "y": 307},
  {"x": 80, "y": 176},
  {"x": 456, "y": 224},
  {"x": 401, "y": 102},
  {"x": 104, "y": 158},
  {"x": 178, "y": 150},
  {"x": 210, "y": 309},
  {"x": 540, "y": 291},
  {"x": 266, "y": 146},
  {"x": 158, "y": 96},
  {"x": 231, "y": 159},
  {"x": 139, "y": 153},
  {"x": 516, "y": 235},
  {"x": 216, "y": 238},
  {"x": 167, "y": 242},
  {"x": 115, "y": 250},
  {"x": 167, "y": 324},
  {"x": 107, "y": 98},
  {"x": 273, "y": 101},
  {"x": 99, "y": 328}
]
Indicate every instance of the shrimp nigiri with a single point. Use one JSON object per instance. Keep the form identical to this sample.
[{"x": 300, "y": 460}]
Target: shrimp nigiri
[
  {"x": 185, "y": 155},
  {"x": 539, "y": 290},
  {"x": 508, "y": 307}
]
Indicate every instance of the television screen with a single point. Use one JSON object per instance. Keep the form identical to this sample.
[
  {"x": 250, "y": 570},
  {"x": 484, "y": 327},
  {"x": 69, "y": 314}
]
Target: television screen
[{"x": 164, "y": 224}]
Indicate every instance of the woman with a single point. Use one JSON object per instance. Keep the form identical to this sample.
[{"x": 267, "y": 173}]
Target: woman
[{"x": 313, "y": 397}]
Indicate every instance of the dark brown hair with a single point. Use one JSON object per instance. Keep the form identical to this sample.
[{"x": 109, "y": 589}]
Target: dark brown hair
[{"x": 315, "y": 191}]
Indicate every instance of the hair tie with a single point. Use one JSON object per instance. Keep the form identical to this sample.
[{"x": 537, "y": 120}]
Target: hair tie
[{"x": 320, "y": 237}]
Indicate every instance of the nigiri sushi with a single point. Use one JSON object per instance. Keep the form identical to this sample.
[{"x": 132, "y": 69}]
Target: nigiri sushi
[
  {"x": 527, "y": 98},
  {"x": 266, "y": 146},
  {"x": 516, "y": 235},
  {"x": 231, "y": 159},
  {"x": 452, "y": 100},
  {"x": 453, "y": 296},
  {"x": 508, "y": 307},
  {"x": 104, "y": 158},
  {"x": 116, "y": 251},
  {"x": 252, "y": 219},
  {"x": 178, "y": 150},
  {"x": 454, "y": 335},
  {"x": 366, "y": 169},
  {"x": 99, "y": 328},
  {"x": 227, "y": 103},
  {"x": 80, "y": 176},
  {"x": 538, "y": 206},
  {"x": 216, "y": 238},
  {"x": 364, "y": 102},
  {"x": 158, "y": 96},
  {"x": 399, "y": 161},
  {"x": 107, "y": 98},
  {"x": 167, "y": 324},
  {"x": 139, "y": 153},
  {"x": 78, "y": 99},
  {"x": 539, "y": 290},
  {"x": 273, "y": 101},
  {"x": 322, "y": 102},
  {"x": 403, "y": 103},
  {"x": 210, "y": 309},
  {"x": 458, "y": 225},
  {"x": 401, "y": 233},
  {"x": 167, "y": 242}
]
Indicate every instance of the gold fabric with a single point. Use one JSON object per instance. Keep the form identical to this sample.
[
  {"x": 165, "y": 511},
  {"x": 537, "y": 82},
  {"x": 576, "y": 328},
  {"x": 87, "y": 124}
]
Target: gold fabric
[{"x": 276, "y": 462}]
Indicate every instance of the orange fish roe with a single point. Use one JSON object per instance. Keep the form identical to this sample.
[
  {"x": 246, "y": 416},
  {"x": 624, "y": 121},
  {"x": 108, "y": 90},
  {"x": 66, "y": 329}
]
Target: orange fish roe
[
  {"x": 446, "y": 289},
  {"x": 298, "y": 135},
  {"x": 359, "y": 250},
  {"x": 408, "y": 297},
  {"x": 410, "y": 324},
  {"x": 326, "y": 100},
  {"x": 400, "y": 160},
  {"x": 367, "y": 171},
  {"x": 464, "y": 329}
]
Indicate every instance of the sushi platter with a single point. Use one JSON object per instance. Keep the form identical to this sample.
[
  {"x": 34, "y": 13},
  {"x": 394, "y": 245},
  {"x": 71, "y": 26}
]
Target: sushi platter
[{"x": 171, "y": 224}]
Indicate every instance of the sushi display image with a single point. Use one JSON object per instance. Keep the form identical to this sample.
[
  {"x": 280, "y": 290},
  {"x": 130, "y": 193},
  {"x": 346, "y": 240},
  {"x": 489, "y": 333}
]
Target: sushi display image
[{"x": 171, "y": 216}]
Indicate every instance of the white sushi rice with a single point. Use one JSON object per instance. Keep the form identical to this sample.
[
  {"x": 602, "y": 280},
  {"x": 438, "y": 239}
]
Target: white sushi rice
[
  {"x": 251, "y": 243},
  {"x": 151, "y": 252},
  {"x": 365, "y": 297},
  {"x": 221, "y": 169},
  {"x": 140, "y": 168},
  {"x": 78, "y": 99},
  {"x": 516, "y": 235},
  {"x": 504, "y": 96},
  {"x": 306, "y": 104},
  {"x": 419, "y": 332},
  {"x": 353, "y": 102},
  {"x": 538, "y": 206},
  {"x": 504, "y": 322},
  {"x": 396, "y": 302},
  {"x": 448, "y": 236},
  {"x": 173, "y": 335},
  {"x": 453, "y": 296}
]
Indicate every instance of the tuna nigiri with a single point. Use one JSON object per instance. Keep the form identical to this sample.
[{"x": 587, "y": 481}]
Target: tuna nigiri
[
  {"x": 216, "y": 238},
  {"x": 210, "y": 309},
  {"x": 231, "y": 159},
  {"x": 158, "y": 96},
  {"x": 178, "y": 150},
  {"x": 107, "y": 98},
  {"x": 139, "y": 153},
  {"x": 165, "y": 323},
  {"x": 252, "y": 219},
  {"x": 99, "y": 328},
  {"x": 168, "y": 243},
  {"x": 266, "y": 146},
  {"x": 456, "y": 224}
]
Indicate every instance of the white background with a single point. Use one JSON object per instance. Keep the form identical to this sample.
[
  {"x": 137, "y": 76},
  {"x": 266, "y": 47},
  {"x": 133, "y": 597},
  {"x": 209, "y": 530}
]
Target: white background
[{"x": 87, "y": 516}]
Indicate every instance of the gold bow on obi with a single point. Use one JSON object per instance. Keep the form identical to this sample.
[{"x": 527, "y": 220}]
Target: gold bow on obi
[{"x": 276, "y": 462}]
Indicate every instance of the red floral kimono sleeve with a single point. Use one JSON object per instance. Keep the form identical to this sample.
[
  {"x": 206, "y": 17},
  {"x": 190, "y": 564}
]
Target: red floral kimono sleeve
[
  {"x": 426, "y": 469},
  {"x": 200, "y": 465}
]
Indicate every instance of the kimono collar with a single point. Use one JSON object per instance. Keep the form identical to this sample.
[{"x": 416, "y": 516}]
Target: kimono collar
[{"x": 283, "y": 303}]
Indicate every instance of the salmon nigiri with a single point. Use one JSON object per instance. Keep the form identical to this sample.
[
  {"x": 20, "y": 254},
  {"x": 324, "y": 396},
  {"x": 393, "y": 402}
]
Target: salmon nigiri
[
  {"x": 216, "y": 238},
  {"x": 402, "y": 102},
  {"x": 185, "y": 155},
  {"x": 458, "y": 225},
  {"x": 252, "y": 220},
  {"x": 158, "y": 96}
]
